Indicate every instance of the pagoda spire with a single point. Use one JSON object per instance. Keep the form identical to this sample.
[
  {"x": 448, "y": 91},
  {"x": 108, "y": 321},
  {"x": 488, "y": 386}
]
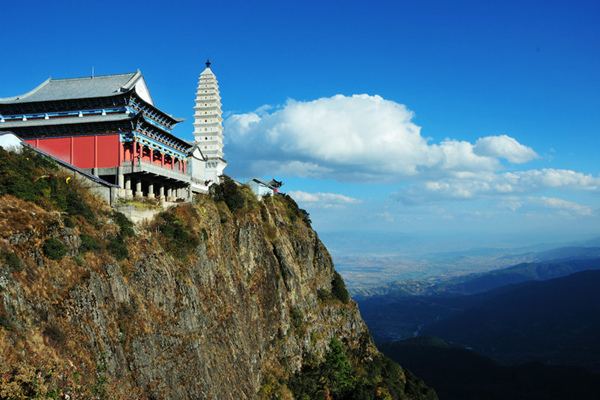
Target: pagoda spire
[{"x": 208, "y": 128}]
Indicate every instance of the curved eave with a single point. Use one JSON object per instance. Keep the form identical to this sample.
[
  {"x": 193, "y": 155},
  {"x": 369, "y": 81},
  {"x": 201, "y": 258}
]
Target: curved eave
[
  {"x": 21, "y": 107},
  {"x": 141, "y": 121},
  {"x": 21, "y": 96},
  {"x": 139, "y": 98},
  {"x": 66, "y": 121},
  {"x": 76, "y": 126}
]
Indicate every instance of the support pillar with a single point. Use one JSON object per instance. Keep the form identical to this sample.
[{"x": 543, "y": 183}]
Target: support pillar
[
  {"x": 151, "y": 190},
  {"x": 128, "y": 192},
  {"x": 161, "y": 194},
  {"x": 138, "y": 189},
  {"x": 120, "y": 177},
  {"x": 169, "y": 194}
]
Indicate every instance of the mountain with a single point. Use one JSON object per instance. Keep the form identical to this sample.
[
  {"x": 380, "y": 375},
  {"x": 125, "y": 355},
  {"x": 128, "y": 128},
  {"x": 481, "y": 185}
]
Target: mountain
[
  {"x": 227, "y": 298},
  {"x": 403, "y": 308},
  {"x": 555, "y": 321},
  {"x": 461, "y": 374},
  {"x": 570, "y": 260}
]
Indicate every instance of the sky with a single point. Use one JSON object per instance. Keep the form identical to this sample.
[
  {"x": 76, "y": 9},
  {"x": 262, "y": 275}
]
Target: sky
[{"x": 433, "y": 119}]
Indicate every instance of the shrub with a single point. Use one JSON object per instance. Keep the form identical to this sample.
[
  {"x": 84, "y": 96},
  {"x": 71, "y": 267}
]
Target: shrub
[
  {"x": 236, "y": 197},
  {"x": 293, "y": 211},
  {"x": 5, "y": 322},
  {"x": 14, "y": 262},
  {"x": 124, "y": 223},
  {"x": 324, "y": 295},
  {"x": 54, "y": 249},
  {"x": 68, "y": 222},
  {"x": 117, "y": 247},
  {"x": 88, "y": 243},
  {"x": 76, "y": 206},
  {"x": 338, "y": 288},
  {"x": 180, "y": 240}
]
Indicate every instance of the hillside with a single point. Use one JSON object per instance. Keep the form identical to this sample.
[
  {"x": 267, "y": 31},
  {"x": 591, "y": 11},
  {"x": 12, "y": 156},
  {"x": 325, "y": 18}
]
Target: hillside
[
  {"x": 555, "y": 321},
  {"x": 228, "y": 298},
  {"x": 409, "y": 306},
  {"x": 460, "y": 374}
]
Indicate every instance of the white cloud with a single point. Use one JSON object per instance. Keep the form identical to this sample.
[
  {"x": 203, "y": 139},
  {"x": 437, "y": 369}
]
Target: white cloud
[
  {"x": 494, "y": 184},
  {"x": 563, "y": 206},
  {"x": 325, "y": 200},
  {"x": 504, "y": 147},
  {"x": 357, "y": 138},
  {"x": 560, "y": 204}
]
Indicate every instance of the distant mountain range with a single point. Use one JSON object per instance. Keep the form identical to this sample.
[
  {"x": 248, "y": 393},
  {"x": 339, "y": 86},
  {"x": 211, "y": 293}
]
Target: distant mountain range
[
  {"x": 530, "y": 331},
  {"x": 460, "y": 374},
  {"x": 547, "y": 265},
  {"x": 555, "y": 321},
  {"x": 516, "y": 314}
]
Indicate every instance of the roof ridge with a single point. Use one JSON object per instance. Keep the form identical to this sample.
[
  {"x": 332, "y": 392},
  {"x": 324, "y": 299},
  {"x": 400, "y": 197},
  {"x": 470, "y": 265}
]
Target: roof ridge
[{"x": 94, "y": 77}]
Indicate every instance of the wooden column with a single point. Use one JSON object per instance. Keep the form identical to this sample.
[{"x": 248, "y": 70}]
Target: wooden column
[{"x": 134, "y": 152}]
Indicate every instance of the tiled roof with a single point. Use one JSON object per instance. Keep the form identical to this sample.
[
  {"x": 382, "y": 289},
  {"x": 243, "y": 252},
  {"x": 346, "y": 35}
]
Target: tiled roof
[
  {"x": 78, "y": 88},
  {"x": 65, "y": 121}
]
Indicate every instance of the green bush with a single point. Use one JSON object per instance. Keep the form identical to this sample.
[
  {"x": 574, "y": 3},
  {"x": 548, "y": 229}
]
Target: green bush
[
  {"x": 76, "y": 206},
  {"x": 293, "y": 211},
  {"x": 68, "y": 222},
  {"x": 88, "y": 243},
  {"x": 124, "y": 223},
  {"x": 14, "y": 262},
  {"x": 375, "y": 379},
  {"x": 54, "y": 249},
  {"x": 117, "y": 247},
  {"x": 338, "y": 288},
  {"x": 180, "y": 240},
  {"x": 237, "y": 197},
  {"x": 5, "y": 322}
]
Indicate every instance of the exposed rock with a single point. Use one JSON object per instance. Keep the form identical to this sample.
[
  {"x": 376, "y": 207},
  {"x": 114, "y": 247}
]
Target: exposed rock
[{"x": 243, "y": 305}]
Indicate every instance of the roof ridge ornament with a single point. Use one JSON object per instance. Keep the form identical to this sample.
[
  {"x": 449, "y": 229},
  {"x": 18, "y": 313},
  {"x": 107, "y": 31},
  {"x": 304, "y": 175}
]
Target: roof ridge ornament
[{"x": 208, "y": 63}]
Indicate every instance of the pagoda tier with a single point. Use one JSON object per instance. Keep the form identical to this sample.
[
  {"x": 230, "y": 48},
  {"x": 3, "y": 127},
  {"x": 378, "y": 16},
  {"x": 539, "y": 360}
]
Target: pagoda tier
[{"x": 208, "y": 128}]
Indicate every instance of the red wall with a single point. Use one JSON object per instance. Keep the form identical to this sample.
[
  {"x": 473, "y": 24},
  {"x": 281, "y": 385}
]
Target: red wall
[
  {"x": 108, "y": 151},
  {"x": 83, "y": 151}
]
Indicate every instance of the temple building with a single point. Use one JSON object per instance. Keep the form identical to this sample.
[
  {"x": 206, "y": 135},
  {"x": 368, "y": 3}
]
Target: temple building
[{"x": 110, "y": 127}]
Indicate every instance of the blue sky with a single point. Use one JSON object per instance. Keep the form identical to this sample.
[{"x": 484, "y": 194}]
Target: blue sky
[{"x": 478, "y": 118}]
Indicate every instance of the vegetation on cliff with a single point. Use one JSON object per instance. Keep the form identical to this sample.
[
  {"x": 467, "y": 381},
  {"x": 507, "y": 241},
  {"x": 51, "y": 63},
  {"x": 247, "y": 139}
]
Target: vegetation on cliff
[{"x": 227, "y": 299}]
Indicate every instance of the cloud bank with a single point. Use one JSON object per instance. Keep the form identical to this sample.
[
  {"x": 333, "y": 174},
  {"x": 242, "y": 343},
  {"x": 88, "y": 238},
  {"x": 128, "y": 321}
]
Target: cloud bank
[
  {"x": 359, "y": 138},
  {"x": 367, "y": 139},
  {"x": 494, "y": 184}
]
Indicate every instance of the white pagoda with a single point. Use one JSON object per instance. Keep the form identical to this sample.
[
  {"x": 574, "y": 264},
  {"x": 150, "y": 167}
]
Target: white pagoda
[{"x": 208, "y": 130}]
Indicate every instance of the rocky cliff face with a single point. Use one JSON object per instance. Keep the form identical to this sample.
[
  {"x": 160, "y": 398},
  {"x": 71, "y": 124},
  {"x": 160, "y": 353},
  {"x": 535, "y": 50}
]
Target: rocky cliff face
[{"x": 201, "y": 303}]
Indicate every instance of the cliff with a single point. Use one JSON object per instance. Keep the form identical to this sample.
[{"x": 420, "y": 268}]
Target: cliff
[{"x": 227, "y": 298}]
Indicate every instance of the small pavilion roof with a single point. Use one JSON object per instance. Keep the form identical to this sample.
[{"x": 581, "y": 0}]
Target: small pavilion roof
[{"x": 78, "y": 88}]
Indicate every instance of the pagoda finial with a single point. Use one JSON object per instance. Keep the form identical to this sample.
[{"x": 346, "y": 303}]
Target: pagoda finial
[{"x": 207, "y": 63}]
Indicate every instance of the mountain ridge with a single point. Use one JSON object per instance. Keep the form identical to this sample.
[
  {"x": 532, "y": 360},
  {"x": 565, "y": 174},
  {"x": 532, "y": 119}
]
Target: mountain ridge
[{"x": 227, "y": 298}]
